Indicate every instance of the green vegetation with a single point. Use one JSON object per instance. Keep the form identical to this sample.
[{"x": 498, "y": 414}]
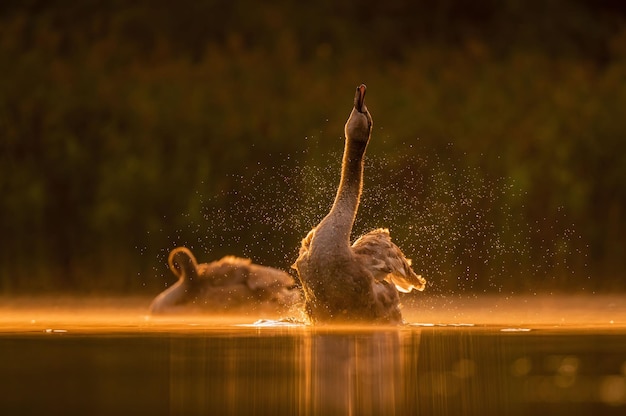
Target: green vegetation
[{"x": 126, "y": 128}]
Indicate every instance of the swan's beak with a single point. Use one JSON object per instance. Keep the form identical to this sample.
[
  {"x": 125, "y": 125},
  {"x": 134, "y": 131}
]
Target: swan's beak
[{"x": 359, "y": 98}]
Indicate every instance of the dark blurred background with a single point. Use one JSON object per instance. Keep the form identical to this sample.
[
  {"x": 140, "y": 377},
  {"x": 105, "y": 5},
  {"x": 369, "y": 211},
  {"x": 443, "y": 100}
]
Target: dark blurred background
[{"x": 128, "y": 128}]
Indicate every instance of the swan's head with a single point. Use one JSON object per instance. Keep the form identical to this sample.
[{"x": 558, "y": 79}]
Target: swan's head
[
  {"x": 181, "y": 262},
  {"x": 359, "y": 125}
]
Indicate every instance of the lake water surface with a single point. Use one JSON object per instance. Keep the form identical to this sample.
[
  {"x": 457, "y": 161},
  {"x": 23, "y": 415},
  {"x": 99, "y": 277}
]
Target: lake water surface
[{"x": 479, "y": 356}]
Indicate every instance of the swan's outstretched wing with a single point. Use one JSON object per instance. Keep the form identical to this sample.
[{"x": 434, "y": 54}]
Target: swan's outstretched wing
[
  {"x": 304, "y": 248},
  {"x": 386, "y": 261}
]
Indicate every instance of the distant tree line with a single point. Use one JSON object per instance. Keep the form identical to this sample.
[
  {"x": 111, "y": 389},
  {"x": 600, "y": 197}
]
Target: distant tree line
[{"x": 498, "y": 158}]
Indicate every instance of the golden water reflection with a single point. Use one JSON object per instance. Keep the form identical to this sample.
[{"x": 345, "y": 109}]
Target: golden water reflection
[
  {"x": 310, "y": 372},
  {"x": 113, "y": 359},
  {"x": 417, "y": 371}
]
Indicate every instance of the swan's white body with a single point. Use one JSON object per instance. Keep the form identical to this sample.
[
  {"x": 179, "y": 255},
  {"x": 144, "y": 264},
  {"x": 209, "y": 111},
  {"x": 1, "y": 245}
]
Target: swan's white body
[
  {"x": 231, "y": 285},
  {"x": 358, "y": 282}
]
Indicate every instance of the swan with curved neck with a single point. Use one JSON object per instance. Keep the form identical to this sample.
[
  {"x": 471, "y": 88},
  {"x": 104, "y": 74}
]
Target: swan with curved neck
[
  {"x": 229, "y": 285},
  {"x": 358, "y": 282}
]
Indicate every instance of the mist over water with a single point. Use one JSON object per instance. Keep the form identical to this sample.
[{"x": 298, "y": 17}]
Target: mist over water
[{"x": 463, "y": 229}]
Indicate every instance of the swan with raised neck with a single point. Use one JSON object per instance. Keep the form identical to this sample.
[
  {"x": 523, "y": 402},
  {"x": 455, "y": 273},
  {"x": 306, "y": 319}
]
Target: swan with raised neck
[{"x": 358, "y": 282}]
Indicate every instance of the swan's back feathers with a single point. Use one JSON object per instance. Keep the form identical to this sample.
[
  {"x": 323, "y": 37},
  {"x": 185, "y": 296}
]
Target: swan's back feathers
[
  {"x": 386, "y": 261},
  {"x": 231, "y": 283},
  {"x": 235, "y": 261},
  {"x": 231, "y": 270}
]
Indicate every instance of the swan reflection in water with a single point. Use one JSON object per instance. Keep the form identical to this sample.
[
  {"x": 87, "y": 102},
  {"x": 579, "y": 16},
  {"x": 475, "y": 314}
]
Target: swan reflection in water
[
  {"x": 430, "y": 371},
  {"x": 310, "y": 372},
  {"x": 358, "y": 374}
]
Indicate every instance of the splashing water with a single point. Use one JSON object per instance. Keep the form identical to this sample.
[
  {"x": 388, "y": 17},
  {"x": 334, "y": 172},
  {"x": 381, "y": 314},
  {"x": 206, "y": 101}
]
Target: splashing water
[{"x": 463, "y": 229}]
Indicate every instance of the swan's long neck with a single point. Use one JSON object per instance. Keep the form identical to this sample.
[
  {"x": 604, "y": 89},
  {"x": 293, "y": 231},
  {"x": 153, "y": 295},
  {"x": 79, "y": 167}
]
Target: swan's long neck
[
  {"x": 183, "y": 264},
  {"x": 343, "y": 212},
  {"x": 332, "y": 235}
]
